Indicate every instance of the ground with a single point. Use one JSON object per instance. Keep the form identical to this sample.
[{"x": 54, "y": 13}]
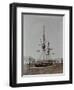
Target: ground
[{"x": 50, "y": 69}]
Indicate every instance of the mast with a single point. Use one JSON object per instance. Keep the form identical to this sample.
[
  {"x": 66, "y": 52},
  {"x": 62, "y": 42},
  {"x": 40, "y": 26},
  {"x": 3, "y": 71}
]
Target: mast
[
  {"x": 45, "y": 47},
  {"x": 43, "y": 44}
]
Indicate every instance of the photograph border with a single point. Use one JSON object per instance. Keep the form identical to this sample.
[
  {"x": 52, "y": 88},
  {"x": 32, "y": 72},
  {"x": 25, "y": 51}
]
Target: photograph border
[{"x": 13, "y": 44}]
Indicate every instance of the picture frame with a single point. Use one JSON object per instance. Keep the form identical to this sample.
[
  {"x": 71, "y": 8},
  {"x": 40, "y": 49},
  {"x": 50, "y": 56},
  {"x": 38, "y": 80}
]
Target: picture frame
[{"x": 30, "y": 24}]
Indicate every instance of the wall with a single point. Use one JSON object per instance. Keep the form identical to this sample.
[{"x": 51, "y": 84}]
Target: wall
[{"x": 4, "y": 43}]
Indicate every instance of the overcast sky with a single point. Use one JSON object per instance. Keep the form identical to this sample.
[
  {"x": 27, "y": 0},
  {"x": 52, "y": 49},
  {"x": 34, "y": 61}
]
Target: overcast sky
[{"x": 33, "y": 30}]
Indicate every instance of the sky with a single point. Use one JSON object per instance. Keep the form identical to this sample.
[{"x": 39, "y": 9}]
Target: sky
[{"x": 33, "y": 31}]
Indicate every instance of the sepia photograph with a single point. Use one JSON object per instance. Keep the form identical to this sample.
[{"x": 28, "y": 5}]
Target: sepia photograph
[{"x": 42, "y": 44}]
